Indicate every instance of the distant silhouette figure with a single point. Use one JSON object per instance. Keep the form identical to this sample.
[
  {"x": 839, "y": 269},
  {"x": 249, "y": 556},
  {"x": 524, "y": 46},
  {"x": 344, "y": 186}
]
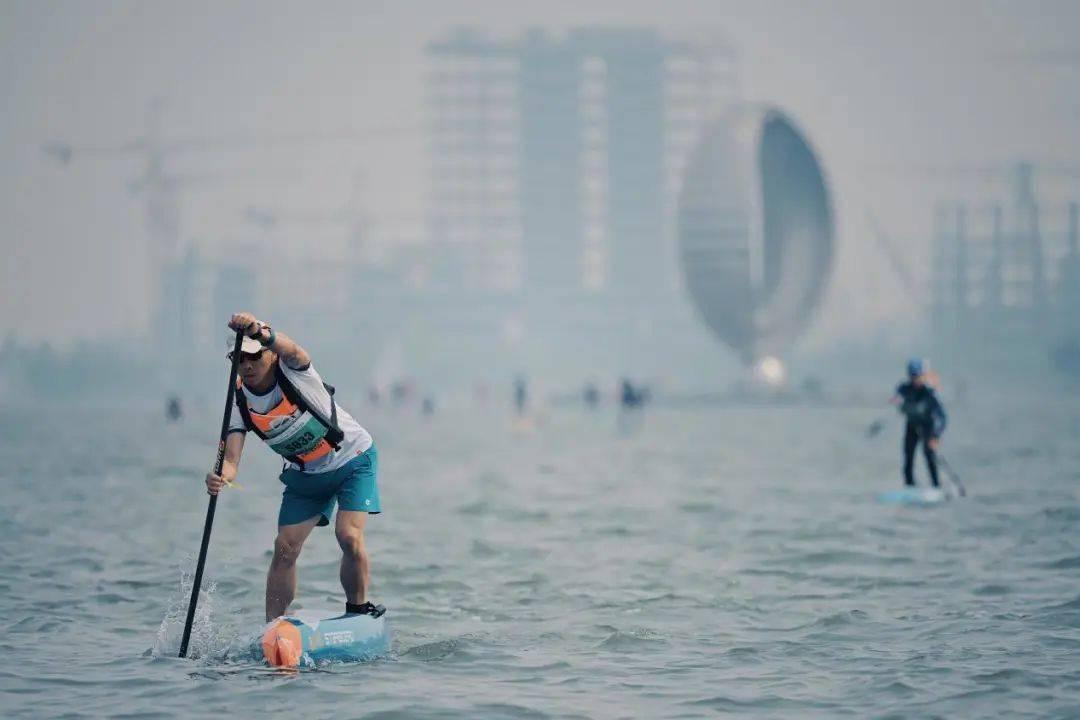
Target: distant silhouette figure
[
  {"x": 633, "y": 397},
  {"x": 173, "y": 411},
  {"x": 631, "y": 400},
  {"x": 521, "y": 398},
  {"x": 591, "y": 395}
]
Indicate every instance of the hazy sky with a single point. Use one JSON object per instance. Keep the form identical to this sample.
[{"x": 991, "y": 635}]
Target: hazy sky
[{"x": 870, "y": 83}]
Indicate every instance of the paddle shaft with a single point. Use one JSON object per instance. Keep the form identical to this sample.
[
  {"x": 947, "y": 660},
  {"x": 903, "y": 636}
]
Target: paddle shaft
[
  {"x": 197, "y": 583},
  {"x": 953, "y": 477}
]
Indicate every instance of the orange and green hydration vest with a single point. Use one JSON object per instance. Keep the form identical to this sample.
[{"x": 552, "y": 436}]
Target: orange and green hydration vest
[{"x": 294, "y": 428}]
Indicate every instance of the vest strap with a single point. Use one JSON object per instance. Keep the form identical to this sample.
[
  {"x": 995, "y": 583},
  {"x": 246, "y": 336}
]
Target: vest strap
[{"x": 334, "y": 434}]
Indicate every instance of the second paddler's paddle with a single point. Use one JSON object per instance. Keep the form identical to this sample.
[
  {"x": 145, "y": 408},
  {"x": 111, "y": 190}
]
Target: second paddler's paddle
[
  {"x": 229, "y": 394},
  {"x": 953, "y": 477},
  {"x": 875, "y": 428}
]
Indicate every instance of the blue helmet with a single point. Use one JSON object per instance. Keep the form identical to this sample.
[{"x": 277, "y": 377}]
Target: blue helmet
[{"x": 915, "y": 367}]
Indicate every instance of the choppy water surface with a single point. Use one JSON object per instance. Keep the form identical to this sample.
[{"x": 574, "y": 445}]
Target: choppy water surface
[{"x": 712, "y": 561}]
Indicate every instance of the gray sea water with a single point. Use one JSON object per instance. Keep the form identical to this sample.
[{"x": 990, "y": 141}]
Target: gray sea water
[{"x": 706, "y": 561}]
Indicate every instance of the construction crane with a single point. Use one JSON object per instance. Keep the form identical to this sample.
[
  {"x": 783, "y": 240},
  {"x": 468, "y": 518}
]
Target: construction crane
[
  {"x": 1022, "y": 245},
  {"x": 161, "y": 188},
  {"x": 158, "y": 187},
  {"x": 368, "y": 240},
  {"x": 895, "y": 257}
]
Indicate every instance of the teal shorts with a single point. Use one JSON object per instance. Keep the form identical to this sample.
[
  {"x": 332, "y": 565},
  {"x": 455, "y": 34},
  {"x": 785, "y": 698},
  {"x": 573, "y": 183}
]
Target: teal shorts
[{"x": 352, "y": 486}]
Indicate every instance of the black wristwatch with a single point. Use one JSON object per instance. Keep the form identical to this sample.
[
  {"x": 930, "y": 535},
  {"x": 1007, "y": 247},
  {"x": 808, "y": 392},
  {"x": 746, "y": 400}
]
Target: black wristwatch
[{"x": 270, "y": 338}]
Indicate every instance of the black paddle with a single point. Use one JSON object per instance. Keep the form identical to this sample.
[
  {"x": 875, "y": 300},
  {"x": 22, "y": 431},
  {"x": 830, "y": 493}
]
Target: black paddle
[
  {"x": 952, "y": 476},
  {"x": 213, "y": 498},
  {"x": 875, "y": 428}
]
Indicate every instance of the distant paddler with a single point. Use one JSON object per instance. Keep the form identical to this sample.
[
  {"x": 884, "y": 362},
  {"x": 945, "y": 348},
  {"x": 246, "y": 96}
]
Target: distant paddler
[
  {"x": 329, "y": 459},
  {"x": 926, "y": 419}
]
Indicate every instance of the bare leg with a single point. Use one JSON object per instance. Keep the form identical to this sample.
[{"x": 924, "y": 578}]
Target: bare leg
[
  {"x": 355, "y": 575},
  {"x": 281, "y": 580}
]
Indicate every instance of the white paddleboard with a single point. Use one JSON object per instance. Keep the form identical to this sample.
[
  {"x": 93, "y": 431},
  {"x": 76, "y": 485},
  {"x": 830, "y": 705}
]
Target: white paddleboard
[{"x": 913, "y": 496}]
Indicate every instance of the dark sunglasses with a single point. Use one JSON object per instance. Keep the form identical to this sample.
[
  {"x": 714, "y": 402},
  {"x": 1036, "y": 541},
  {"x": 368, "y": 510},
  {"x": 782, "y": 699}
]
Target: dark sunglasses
[{"x": 250, "y": 357}]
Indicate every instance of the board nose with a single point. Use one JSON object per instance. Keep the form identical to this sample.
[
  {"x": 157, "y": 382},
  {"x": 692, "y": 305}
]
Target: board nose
[{"x": 282, "y": 645}]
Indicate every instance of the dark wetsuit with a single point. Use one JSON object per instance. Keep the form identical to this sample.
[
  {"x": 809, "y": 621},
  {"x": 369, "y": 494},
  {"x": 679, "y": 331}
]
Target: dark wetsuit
[{"x": 925, "y": 421}]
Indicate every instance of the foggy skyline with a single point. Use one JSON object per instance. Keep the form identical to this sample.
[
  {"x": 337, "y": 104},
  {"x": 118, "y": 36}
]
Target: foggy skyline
[{"x": 870, "y": 84}]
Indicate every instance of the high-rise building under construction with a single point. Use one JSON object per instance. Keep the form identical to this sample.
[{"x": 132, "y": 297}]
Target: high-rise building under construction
[{"x": 1006, "y": 274}]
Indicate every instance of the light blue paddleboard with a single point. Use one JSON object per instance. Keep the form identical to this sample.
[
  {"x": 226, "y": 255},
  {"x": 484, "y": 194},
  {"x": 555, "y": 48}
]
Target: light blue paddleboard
[
  {"x": 291, "y": 641},
  {"x": 913, "y": 496}
]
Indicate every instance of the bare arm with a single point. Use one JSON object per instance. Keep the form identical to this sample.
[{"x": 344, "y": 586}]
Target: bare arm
[
  {"x": 234, "y": 448},
  {"x": 286, "y": 348}
]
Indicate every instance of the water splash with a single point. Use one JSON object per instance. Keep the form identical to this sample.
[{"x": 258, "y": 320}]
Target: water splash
[{"x": 212, "y": 640}]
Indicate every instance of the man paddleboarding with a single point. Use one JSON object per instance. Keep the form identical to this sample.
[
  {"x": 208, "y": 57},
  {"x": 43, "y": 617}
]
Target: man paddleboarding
[
  {"x": 926, "y": 419},
  {"x": 329, "y": 460}
]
